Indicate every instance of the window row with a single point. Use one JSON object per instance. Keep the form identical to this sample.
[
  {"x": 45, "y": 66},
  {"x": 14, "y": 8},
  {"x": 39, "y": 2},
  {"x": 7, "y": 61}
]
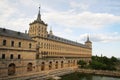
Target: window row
[
  {"x": 11, "y": 56},
  {"x": 58, "y": 47},
  {"x": 4, "y": 43}
]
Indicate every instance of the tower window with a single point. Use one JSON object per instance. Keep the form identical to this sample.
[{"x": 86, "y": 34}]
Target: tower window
[
  {"x": 19, "y": 56},
  {"x": 4, "y": 42},
  {"x": 11, "y": 56},
  {"x": 3, "y": 56},
  {"x": 19, "y": 44},
  {"x": 12, "y": 43}
]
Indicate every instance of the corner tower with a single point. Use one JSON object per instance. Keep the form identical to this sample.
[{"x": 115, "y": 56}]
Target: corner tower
[
  {"x": 88, "y": 42},
  {"x": 38, "y": 28}
]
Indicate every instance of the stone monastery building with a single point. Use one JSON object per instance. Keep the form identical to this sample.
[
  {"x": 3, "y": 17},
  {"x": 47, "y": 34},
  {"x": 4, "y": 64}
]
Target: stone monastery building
[{"x": 38, "y": 52}]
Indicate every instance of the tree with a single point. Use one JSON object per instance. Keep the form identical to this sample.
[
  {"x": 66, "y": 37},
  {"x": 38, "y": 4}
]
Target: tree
[
  {"x": 114, "y": 59},
  {"x": 82, "y": 63}
]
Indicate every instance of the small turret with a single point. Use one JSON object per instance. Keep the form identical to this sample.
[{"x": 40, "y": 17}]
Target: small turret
[
  {"x": 51, "y": 33},
  {"x": 88, "y": 42}
]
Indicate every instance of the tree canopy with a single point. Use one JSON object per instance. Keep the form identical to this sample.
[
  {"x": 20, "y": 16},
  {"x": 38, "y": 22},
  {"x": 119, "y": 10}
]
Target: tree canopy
[{"x": 100, "y": 63}]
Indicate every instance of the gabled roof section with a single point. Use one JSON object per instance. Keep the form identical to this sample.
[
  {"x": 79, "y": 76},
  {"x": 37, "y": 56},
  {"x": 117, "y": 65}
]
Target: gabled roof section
[
  {"x": 14, "y": 34},
  {"x": 56, "y": 38}
]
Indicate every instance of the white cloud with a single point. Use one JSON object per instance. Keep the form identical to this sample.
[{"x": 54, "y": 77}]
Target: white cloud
[
  {"x": 81, "y": 20},
  {"x": 65, "y": 33},
  {"x": 11, "y": 18},
  {"x": 20, "y": 24},
  {"x": 106, "y": 37},
  {"x": 68, "y": 18},
  {"x": 6, "y": 9},
  {"x": 81, "y": 6}
]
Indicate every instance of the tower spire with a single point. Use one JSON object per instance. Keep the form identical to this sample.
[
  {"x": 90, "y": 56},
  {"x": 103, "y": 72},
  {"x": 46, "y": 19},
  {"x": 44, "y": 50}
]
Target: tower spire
[
  {"x": 88, "y": 38},
  {"x": 88, "y": 42},
  {"x": 51, "y": 33},
  {"x": 39, "y": 15}
]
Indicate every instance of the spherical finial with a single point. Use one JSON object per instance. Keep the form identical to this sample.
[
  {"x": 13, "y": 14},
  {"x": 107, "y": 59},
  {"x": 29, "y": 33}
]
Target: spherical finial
[{"x": 39, "y": 6}]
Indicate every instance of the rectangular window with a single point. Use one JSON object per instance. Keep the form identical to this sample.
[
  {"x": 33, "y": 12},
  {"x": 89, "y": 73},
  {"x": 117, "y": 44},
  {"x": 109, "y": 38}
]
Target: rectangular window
[
  {"x": 4, "y": 42},
  {"x": 11, "y": 56},
  {"x": 19, "y": 56},
  {"x": 19, "y": 44},
  {"x": 3, "y": 56},
  {"x": 12, "y": 43},
  {"x": 30, "y": 45}
]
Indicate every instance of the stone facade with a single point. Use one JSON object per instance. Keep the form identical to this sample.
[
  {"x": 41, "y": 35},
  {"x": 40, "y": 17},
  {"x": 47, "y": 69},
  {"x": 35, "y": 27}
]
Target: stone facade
[{"x": 38, "y": 51}]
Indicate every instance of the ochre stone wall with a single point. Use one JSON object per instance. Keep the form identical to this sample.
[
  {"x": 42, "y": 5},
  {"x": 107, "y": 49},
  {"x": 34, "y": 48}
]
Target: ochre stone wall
[{"x": 40, "y": 54}]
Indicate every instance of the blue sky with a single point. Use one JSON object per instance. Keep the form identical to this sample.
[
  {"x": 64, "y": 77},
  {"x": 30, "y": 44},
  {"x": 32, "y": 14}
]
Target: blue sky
[{"x": 71, "y": 19}]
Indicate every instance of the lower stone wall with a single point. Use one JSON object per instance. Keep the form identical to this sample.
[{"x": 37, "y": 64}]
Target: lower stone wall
[
  {"x": 36, "y": 68},
  {"x": 41, "y": 75},
  {"x": 100, "y": 72}
]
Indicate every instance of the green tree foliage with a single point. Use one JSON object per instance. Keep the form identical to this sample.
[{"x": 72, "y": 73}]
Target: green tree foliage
[
  {"x": 82, "y": 63},
  {"x": 103, "y": 63},
  {"x": 114, "y": 59}
]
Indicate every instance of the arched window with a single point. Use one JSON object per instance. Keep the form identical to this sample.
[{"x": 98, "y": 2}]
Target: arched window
[
  {"x": 11, "y": 69},
  {"x": 50, "y": 65},
  {"x": 61, "y": 64},
  {"x": 74, "y": 63},
  {"x": 68, "y": 63},
  {"x": 56, "y": 65},
  {"x": 29, "y": 67},
  {"x": 43, "y": 66}
]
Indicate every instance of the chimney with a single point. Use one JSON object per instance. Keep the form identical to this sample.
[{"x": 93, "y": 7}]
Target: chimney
[{"x": 25, "y": 31}]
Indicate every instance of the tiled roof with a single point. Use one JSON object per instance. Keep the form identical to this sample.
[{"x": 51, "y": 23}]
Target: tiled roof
[{"x": 15, "y": 34}]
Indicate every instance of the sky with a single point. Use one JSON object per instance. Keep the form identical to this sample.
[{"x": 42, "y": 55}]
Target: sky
[{"x": 70, "y": 19}]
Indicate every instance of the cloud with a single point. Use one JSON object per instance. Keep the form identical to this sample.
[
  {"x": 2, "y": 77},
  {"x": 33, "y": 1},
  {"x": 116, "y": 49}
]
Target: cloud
[
  {"x": 88, "y": 20},
  {"x": 104, "y": 38},
  {"x": 6, "y": 9},
  {"x": 11, "y": 17},
  {"x": 69, "y": 18},
  {"x": 65, "y": 33},
  {"x": 81, "y": 6}
]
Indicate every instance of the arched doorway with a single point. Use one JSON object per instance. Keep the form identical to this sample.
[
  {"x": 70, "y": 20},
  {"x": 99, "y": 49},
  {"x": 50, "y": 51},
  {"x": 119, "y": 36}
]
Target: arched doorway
[
  {"x": 74, "y": 63},
  {"x": 56, "y": 65},
  {"x": 69, "y": 63},
  {"x": 50, "y": 65},
  {"x": 61, "y": 64},
  {"x": 42, "y": 66},
  {"x": 29, "y": 67},
  {"x": 11, "y": 69}
]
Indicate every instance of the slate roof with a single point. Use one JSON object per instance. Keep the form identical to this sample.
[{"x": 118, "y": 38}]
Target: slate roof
[
  {"x": 56, "y": 38},
  {"x": 37, "y": 21},
  {"x": 14, "y": 34}
]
